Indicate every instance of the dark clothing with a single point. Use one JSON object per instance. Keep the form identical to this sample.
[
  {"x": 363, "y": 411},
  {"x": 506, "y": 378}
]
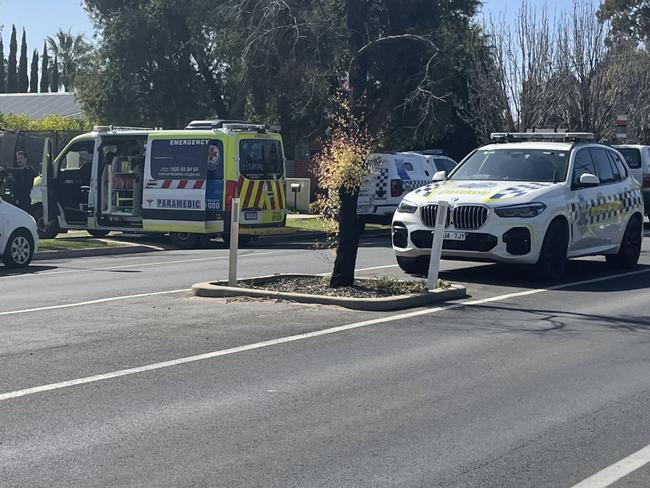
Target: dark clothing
[{"x": 22, "y": 186}]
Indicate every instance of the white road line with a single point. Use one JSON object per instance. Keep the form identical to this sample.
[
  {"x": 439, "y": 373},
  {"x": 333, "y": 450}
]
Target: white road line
[
  {"x": 611, "y": 474},
  {"x": 133, "y": 265},
  {"x": 92, "y": 302},
  {"x": 297, "y": 337},
  {"x": 364, "y": 269}
]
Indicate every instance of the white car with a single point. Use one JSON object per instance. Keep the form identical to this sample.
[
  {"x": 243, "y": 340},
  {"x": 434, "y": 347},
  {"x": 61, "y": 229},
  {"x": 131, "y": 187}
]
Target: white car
[
  {"x": 397, "y": 174},
  {"x": 18, "y": 236},
  {"x": 533, "y": 198}
]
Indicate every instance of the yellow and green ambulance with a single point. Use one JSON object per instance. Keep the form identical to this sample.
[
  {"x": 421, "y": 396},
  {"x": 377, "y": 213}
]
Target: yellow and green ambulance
[{"x": 175, "y": 182}]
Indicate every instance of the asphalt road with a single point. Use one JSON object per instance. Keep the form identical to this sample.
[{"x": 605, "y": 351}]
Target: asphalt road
[{"x": 517, "y": 386}]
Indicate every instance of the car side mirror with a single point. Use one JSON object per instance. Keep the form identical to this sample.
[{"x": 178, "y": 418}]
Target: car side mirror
[
  {"x": 588, "y": 180},
  {"x": 439, "y": 176}
]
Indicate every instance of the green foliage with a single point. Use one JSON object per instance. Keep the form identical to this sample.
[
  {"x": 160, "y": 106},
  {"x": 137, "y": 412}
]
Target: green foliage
[
  {"x": 45, "y": 68},
  {"x": 71, "y": 52},
  {"x": 55, "y": 82},
  {"x": 23, "y": 82},
  {"x": 33, "y": 76},
  {"x": 630, "y": 18},
  {"x": 3, "y": 69},
  {"x": 12, "y": 80},
  {"x": 49, "y": 123}
]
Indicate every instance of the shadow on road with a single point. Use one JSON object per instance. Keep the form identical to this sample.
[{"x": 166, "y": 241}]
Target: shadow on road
[
  {"x": 524, "y": 277},
  {"x": 25, "y": 271}
]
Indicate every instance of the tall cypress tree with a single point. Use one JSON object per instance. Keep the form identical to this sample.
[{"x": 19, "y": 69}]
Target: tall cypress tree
[
  {"x": 23, "y": 82},
  {"x": 33, "y": 75},
  {"x": 54, "y": 83},
  {"x": 3, "y": 70},
  {"x": 12, "y": 80},
  {"x": 45, "y": 71}
]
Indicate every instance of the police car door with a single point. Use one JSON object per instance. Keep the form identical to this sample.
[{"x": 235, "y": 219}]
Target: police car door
[
  {"x": 608, "y": 215},
  {"x": 582, "y": 202}
]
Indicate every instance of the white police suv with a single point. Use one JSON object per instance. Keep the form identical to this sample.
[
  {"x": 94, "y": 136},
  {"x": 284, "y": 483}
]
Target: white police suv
[{"x": 531, "y": 198}]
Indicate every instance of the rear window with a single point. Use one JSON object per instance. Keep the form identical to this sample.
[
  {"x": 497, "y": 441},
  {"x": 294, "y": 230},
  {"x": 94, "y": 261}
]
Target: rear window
[
  {"x": 260, "y": 159},
  {"x": 185, "y": 159},
  {"x": 632, "y": 156}
]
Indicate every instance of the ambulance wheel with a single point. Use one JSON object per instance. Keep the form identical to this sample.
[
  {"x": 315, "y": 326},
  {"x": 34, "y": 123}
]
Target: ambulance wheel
[
  {"x": 98, "y": 232},
  {"x": 184, "y": 240},
  {"x": 414, "y": 266},
  {"x": 19, "y": 249},
  {"x": 45, "y": 230},
  {"x": 553, "y": 256},
  {"x": 628, "y": 254}
]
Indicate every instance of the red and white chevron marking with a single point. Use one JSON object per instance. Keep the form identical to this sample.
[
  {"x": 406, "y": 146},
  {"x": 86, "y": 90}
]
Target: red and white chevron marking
[{"x": 176, "y": 184}]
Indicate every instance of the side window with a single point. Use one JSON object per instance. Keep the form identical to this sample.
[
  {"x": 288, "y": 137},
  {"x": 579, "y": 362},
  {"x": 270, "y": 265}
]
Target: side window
[
  {"x": 581, "y": 165},
  {"x": 603, "y": 168},
  {"x": 617, "y": 165},
  {"x": 77, "y": 156},
  {"x": 444, "y": 164},
  {"x": 408, "y": 166}
]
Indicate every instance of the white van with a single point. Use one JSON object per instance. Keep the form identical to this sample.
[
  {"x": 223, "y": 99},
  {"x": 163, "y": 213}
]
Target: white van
[
  {"x": 397, "y": 174},
  {"x": 637, "y": 158}
]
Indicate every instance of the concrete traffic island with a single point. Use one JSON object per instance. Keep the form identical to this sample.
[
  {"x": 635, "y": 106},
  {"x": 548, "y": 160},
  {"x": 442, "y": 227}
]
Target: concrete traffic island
[{"x": 372, "y": 294}]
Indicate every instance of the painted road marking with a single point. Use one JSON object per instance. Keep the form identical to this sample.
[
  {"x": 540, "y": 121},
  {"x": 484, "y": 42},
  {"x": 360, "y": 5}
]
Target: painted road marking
[
  {"x": 615, "y": 472},
  {"x": 364, "y": 269},
  {"x": 297, "y": 337},
  {"x": 134, "y": 265}
]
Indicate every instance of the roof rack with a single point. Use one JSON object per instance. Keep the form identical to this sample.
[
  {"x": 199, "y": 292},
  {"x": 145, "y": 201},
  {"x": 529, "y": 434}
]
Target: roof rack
[
  {"x": 541, "y": 135},
  {"x": 113, "y": 128},
  {"x": 212, "y": 124}
]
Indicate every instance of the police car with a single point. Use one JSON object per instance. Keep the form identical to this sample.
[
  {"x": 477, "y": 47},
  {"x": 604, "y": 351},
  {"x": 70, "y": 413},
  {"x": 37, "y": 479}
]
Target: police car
[
  {"x": 396, "y": 174},
  {"x": 531, "y": 198}
]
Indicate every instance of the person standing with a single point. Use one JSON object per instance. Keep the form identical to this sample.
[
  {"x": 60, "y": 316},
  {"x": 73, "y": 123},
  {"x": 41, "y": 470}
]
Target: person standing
[{"x": 23, "y": 181}]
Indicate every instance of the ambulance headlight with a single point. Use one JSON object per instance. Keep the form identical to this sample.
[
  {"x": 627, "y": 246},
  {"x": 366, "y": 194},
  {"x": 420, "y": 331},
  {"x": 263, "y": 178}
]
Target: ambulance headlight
[
  {"x": 523, "y": 211},
  {"x": 406, "y": 207}
]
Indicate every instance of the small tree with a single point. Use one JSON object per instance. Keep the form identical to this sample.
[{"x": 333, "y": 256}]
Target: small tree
[
  {"x": 341, "y": 168},
  {"x": 12, "y": 80},
  {"x": 3, "y": 69},
  {"x": 45, "y": 71},
  {"x": 33, "y": 76},
  {"x": 54, "y": 82},
  {"x": 23, "y": 82}
]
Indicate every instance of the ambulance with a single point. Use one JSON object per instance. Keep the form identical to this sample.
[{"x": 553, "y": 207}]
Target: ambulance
[{"x": 174, "y": 182}]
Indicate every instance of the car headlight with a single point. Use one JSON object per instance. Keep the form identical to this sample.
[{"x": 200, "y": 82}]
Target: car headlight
[
  {"x": 524, "y": 211},
  {"x": 406, "y": 207}
]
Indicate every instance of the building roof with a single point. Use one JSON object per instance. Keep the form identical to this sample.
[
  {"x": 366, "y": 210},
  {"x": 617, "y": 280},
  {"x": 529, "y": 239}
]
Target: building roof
[{"x": 39, "y": 105}]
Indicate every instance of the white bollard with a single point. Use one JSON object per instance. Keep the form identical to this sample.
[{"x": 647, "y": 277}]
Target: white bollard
[
  {"x": 436, "y": 245},
  {"x": 234, "y": 242}
]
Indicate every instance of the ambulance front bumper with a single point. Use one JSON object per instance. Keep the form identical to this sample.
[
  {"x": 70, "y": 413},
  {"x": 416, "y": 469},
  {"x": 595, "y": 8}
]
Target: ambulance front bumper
[{"x": 509, "y": 240}]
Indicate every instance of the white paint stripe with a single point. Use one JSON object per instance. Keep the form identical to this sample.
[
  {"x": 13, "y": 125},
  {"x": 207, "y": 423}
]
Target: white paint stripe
[
  {"x": 92, "y": 302},
  {"x": 364, "y": 269},
  {"x": 297, "y": 337},
  {"x": 133, "y": 265},
  {"x": 617, "y": 471}
]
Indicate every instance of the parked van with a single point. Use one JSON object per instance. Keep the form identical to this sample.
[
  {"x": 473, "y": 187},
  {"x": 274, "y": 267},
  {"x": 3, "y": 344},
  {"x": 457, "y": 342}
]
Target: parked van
[
  {"x": 175, "y": 182},
  {"x": 397, "y": 174},
  {"x": 637, "y": 158}
]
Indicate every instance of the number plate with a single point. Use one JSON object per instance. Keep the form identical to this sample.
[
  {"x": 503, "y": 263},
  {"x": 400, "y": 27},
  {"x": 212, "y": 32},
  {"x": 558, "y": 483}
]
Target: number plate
[
  {"x": 363, "y": 209},
  {"x": 454, "y": 236}
]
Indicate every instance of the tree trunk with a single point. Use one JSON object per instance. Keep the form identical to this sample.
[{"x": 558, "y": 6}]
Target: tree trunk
[{"x": 348, "y": 244}]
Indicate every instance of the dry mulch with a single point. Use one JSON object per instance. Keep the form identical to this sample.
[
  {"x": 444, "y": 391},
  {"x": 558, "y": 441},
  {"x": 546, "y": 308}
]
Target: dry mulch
[{"x": 375, "y": 288}]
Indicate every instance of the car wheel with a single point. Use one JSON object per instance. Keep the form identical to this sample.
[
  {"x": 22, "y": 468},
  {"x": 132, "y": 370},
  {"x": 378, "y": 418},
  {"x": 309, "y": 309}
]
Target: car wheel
[
  {"x": 19, "y": 249},
  {"x": 553, "y": 255},
  {"x": 45, "y": 230},
  {"x": 415, "y": 266},
  {"x": 628, "y": 254},
  {"x": 184, "y": 240},
  {"x": 98, "y": 232}
]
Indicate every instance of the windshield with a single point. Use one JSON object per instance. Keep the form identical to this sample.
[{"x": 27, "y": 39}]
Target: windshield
[
  {"x": 260, "y": 159},
  {"x": 632, "y": 156},
  {"x": 514, "y": 165}
]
